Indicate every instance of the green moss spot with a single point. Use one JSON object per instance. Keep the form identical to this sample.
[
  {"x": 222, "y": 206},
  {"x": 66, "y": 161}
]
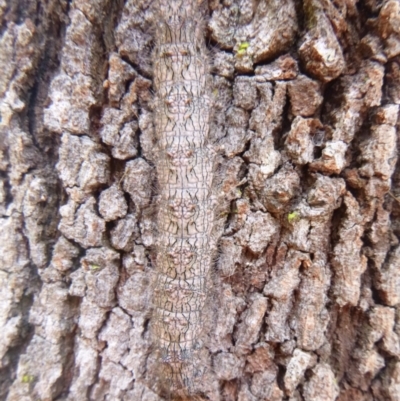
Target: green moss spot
[
  {"x": 94, "y": 267},
  {"x": 293, "y": 217},
  {"x": 244, "y": 46},
  {"x": 27, "y": 379},
  {"x": 242, "y": 49}
]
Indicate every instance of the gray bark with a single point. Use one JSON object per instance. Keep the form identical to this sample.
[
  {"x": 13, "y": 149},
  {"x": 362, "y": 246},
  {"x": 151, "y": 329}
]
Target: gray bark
[{"x": 305, "y": 296}]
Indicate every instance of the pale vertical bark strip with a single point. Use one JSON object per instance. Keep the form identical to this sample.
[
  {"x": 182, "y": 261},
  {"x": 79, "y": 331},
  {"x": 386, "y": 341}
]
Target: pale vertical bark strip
[{"x": 185, "y": 174}]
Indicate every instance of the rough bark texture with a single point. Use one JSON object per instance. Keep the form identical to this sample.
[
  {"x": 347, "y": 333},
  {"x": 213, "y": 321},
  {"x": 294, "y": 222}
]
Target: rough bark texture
[{"x": 305, "y": 294}]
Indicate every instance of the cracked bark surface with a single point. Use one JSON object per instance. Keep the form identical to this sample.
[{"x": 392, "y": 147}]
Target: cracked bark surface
[{"x": 305, "y": 300}]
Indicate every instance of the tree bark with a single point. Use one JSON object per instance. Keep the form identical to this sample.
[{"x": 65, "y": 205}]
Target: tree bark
[{"x": 305, "y": 293}]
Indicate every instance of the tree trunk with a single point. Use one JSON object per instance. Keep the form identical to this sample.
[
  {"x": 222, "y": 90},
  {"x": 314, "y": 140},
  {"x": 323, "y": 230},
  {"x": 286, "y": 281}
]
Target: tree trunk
[{"x": 305, "y": 296}]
